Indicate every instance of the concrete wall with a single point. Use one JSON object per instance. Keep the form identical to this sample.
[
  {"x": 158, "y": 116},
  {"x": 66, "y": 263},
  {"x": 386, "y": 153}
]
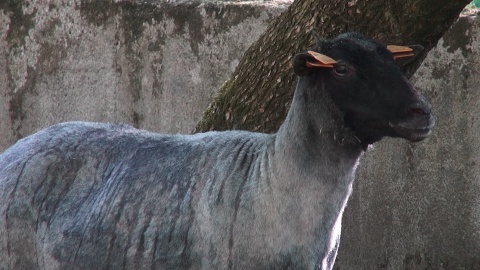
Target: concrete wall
[{"x": 156, "y": 65}]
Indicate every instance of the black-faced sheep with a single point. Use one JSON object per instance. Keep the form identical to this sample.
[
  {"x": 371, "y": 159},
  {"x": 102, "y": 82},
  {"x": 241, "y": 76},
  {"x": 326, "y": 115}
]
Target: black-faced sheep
[{"x": 102, "y": 196}]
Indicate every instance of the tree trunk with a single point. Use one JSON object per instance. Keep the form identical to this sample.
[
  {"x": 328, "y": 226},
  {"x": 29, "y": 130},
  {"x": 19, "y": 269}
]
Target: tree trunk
[{"x": 258, "y": 94}]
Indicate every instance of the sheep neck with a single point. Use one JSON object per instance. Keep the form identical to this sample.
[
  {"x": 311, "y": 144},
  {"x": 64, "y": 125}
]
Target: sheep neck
[
  {"x": 314, "y": 129},
  {"x": 316, "y": 157}
]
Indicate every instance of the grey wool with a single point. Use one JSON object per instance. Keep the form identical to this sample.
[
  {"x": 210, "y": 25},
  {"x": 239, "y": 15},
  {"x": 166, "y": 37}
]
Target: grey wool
[{"x": 83, "y": 195}]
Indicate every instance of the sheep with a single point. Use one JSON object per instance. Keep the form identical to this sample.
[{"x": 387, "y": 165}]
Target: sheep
[{"x": 81, "y": 195}]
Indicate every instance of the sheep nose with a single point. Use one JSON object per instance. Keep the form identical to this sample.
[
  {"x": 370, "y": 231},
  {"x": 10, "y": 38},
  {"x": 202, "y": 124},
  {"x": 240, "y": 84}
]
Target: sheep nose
[
  {"x": 421, "y": 106},
  {"x": 417, "y": 110}
]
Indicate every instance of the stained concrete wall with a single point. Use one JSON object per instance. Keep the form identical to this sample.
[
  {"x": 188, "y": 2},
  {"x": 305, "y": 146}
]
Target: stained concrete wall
[{"x": 156, "y": 65}]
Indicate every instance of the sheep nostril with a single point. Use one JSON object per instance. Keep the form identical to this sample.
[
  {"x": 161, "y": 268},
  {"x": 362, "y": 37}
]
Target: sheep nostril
[{"x": 418, "y": 111}]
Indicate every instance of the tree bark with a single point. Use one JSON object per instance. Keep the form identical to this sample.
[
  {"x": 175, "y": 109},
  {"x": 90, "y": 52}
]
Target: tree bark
[{"x": 258, "y": 94}]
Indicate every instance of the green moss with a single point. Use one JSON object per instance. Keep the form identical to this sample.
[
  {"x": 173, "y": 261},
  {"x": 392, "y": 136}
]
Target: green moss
[
  {"x": 229, "y": 15},
  {"x": 132, "y": 19},
  {"x": 20, "y": 23},
  {"x": 98, "y": 13},
  {"x": 211, "y": 118},
  {"x": 187, "y": 19},
  {"x": 459, "y": 37}
]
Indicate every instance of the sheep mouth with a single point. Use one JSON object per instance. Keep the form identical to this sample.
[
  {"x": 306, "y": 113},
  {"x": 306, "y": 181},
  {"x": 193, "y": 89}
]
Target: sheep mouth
[{"x": 411, "y": 132}]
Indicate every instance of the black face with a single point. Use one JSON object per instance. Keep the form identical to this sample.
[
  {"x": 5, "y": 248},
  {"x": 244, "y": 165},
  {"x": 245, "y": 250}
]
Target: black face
[{"x": 368, "y": 87}]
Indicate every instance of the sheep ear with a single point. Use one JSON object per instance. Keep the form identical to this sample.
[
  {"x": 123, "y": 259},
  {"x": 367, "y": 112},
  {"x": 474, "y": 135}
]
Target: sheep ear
[
  {"x": 320, "y": 60},
  {"x": 303, "y": 63},
  {"x": 404, "y": 54},
  {"x": 400, "y": 51},
  {"x": 300, "y": 64}
]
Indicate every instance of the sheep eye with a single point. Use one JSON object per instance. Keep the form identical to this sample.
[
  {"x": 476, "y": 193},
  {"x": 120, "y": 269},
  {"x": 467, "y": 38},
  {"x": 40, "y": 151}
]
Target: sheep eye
[{"x": 341, "y": 70}]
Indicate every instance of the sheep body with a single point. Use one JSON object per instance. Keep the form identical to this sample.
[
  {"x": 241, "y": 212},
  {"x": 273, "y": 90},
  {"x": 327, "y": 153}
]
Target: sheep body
[
  {"x": 102, "y": 196},
  {"x": 102, "y": 203}
]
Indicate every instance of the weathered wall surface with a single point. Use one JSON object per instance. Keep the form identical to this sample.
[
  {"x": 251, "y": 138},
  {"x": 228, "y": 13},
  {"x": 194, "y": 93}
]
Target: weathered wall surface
[
  {"x": 156, "y": 65},
  {"x": 417, "y": 206}
]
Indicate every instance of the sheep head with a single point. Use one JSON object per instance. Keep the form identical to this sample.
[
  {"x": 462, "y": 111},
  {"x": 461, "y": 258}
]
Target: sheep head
[{"x": 364, "y": 80}]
